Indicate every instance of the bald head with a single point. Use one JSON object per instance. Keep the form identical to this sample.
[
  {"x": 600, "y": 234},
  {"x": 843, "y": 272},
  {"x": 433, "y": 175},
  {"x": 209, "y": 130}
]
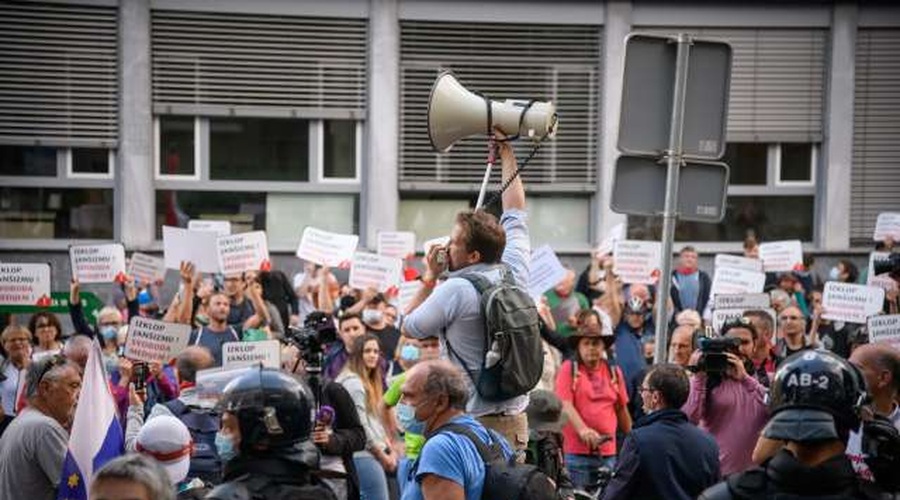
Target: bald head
[
  {"x": 682, "y": 345},
  {"x": 192, "y": 360},
  {"x": 440, "y": 378},
  {"x": 880, "y": 365}
]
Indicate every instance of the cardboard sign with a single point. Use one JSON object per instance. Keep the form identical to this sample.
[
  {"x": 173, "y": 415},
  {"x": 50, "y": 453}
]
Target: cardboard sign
[
  {"x": 736, "y": 262},
  {"x": 545, "y": 271},
  {"x": 885, "y": 329},
  {"x": 25, "y": 284},
  {"x": 98, "y": 263},
  {"x": 729, "y": 280},
  {"x": 742, "y": 301},
  {"x": 220, "y": 227},
  {"x": 408, "y": 291},
  {"x": 617, "y": 233},
  {"x": 325, "y": 248},
  {"x": 720, "y": 316},
  {"x": 883, "y": 280},
  {"x": 375, "y": 271},
  {"x": 781, "y": 256},
  {"x": 146, "y": 268},
  {"x": 887, "y": 225},
  {"x": 153, "y": 340},
  {"x": 441, "y": 241},
  {"x": 851, "y": 303},
  {"x": 212, "y": 381},
  {"x": 242, "y": 252},
  {"x": 237, "y": 354},
  {"x": 198, "y": 247},
  {"x": 637, "y": 261},
  {"x": 399, "y": 244}
]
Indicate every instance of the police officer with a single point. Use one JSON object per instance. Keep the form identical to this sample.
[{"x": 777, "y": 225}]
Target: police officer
[
  {"x": 264, "y": 440},
  {"x": 815, "y": 399}
]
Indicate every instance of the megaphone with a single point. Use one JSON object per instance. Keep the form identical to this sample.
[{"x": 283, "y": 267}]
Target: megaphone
[{"x": 455, "y": 113}]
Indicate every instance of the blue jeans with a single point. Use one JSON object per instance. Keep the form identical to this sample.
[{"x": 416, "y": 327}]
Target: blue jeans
[
  {"x": 583, "y": 469},
  {"x": 372, "y": 480}
]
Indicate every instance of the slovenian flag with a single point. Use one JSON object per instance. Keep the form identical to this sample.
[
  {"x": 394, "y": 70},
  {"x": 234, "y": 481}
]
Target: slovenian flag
[{"x": 96, "y": 435}]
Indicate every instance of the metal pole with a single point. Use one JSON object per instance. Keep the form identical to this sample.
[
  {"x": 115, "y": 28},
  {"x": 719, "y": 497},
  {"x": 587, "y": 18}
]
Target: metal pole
[
  {"x": 670, "y": 215},
  {"x": 484, "y": 184}
]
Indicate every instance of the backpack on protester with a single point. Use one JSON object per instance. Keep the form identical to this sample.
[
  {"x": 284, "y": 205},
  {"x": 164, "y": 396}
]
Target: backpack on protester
[
  {"x": 513, "y": 358},
  {"x": 203, "y": 425}
]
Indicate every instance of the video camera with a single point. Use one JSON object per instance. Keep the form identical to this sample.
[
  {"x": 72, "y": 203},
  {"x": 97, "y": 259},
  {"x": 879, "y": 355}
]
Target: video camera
[
  {"x": 890, "y": 264},
  {"x": 713, "y": 358},
  {"x": 318, "y": 331}
]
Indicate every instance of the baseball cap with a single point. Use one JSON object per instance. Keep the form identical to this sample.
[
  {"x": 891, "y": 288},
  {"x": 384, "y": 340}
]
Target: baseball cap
[
  {"x": 545, "y": 411},
  {"x": 168, "y": 441}
]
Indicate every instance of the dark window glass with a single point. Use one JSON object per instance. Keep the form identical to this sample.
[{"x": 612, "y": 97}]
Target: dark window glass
[
  {"x": 28, "y": 160},
  {"x": 90, "y": 161},
  {"x": 176, "y": 144},
  {"x": 340, "y": 149},
  {"x": 796, "y": 162},
  {"x": 56, "y": 213},
  {"x": 771, "y": 218},
  {"x": 259, "y": 149},
  {"x": 747, "y": 162}
]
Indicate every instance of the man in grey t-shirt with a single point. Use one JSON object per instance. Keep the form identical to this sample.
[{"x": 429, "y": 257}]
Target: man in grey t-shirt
[{"x": 34, "y": 446}]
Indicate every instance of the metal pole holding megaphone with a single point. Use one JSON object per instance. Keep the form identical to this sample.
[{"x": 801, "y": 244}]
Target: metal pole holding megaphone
[{"x": 487, "y": 173}]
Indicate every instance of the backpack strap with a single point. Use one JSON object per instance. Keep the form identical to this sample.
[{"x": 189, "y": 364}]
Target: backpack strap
[
  {"x": 489, "y": 453},
  {"x": 478, "y": 280},
  {"x": 481, "y": 284}
]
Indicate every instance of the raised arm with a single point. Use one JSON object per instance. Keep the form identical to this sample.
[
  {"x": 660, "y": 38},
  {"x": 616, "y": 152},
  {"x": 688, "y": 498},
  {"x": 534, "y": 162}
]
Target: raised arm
[{"x": 514, "y": 196}]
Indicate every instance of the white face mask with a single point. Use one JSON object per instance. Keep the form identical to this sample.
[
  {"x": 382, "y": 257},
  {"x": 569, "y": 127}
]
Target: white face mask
[{"x": 372, "y": 316}]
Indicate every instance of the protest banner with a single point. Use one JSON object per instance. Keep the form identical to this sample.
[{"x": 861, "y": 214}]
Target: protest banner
[
  {"x": 399, "y": 244},
  {"x": 220, "y": 227},
  {"x": 637, "y": 261},
  {"x": 146, "y": 268},
  {"x": 237, "y": 354},
  {"x": 851, "y": 303},
  {"x": 197, "y": 247},
  {"x": 885, "y": 329},
  {"x": 441, "y": 241},
  {"x": 720, "y": 316},
  {"x": 887, "y": 225},
  {"x": 736, "y": 262},
  {"x": 781, "y": 256},
  {"x": 742, "y": 301},
  {"x": 545, "y": 271},
  {"x": 25, "y": 284},
  {"x": 407, "y": 291},
  {"x": 212, "y": 381},
  {"x": 325, "y": 248},
  {"x": 98, "y": 263},
  {"x": 154, "y": 340},
  {"x": 243, "y": 252},
  {"x": 606, "y": 247},
  {"x": 59, "y": 304},
  {"x": 882, "y": 280},
  {"x": 729, "y": 280},
  {"x": 369, "y": 270}
]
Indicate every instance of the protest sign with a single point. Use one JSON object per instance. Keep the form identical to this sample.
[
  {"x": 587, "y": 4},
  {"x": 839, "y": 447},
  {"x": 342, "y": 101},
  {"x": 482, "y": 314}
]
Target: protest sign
[
  {"x": 729, "y": 280},
  {"x": 887, "y": 225},
  {"x": 545, "y": 271},
  {"x": 885, "y": 329},
  {"x": 720, "y": 316},
  {"x": 375, "y": 271},
  {"x": 154, "y": 340},
  {"x": 212, "y": 381},
  {"x": 617, "y": 233},
  {"x": 742, "y": 301},
  {"x": 25, "y": 284},
  {"x": 243, "y": 252},
  {"x": 197, "y": 247},
  {"x": 736, "y": 262},
  {"x": 325, "y": 248},
  {"x": 407, "y": 291},
  {"x": 441, "y": 241},
  {"x": 237, "y": 354},
  {"x": 637, "y": 261},
  {"x": 146, "y": 268},
  {"x": 220, "y": 227},
  {"x": 781, "y": 256},
  {"x": 851, "y": 303},
  {"x": 882, "y": 280},
  {"x": 59, "y": 304},
  {"x": 399, "y": 244},
  {"x": 98, "y": 263}
]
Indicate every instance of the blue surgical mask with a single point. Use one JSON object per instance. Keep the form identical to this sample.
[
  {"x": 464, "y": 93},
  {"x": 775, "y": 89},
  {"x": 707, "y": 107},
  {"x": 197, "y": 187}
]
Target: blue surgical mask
[
  {"x": 109, "y": 332},
  {"x": 834, "y": 274},
  {"x": 409, "y": 352},
  {"x": 225, "y": 447},
  {"x": 406, "y": 415}
]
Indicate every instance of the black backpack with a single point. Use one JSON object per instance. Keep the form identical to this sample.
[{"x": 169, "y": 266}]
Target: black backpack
[
  {"x": 203, "y": 425},
  {"x": 513, "y": 357}
]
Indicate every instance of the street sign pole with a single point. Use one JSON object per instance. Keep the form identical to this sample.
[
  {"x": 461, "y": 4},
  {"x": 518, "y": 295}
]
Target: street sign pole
[{"x": 673, "y": 164}]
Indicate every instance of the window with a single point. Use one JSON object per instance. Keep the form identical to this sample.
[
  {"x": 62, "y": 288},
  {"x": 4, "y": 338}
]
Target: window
[
  {"x": 340, "y": 149},
  {"x": 176, "y": 146},
  {"x": 796, "y": 164},
  {"x": 429, "y": 217},
  {"x": 563, "y": 223},
  {"x": 56, "y": 213},
  {"x": 28, "y": 161},
  {"x": 747, "y": 163},
  {"x": 258, "y": 149}
]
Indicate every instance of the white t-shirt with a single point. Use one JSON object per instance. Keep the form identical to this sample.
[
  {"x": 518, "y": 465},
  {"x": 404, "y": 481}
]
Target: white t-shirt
[{"x": 854, "y": 447}]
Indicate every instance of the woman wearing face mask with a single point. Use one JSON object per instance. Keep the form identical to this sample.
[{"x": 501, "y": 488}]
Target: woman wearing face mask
[
  {"x": 108, "y": 320},
  {"x": 362, "y": 377}
]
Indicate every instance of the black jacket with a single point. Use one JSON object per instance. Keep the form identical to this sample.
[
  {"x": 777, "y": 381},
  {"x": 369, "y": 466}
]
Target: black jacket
[
  {"x": 349, "y": 434},
  {"x": 665, "y": 456},
  {"x": 702, "y": 293}
]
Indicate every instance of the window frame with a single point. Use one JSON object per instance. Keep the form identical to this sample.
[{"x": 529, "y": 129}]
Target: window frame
[
  {"x": 69, "y": 159},
  {"x": 320, "y": 153},
  {"x": 157, "y": 157}
]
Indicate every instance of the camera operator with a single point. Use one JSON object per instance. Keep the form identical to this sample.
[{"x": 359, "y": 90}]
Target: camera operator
[{"x": 724, "y": 400}]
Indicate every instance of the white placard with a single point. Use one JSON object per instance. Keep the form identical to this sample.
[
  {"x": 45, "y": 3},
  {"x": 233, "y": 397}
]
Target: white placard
[
  {"x": 545, "y": 271},
  {"x": 325, "y": 248},
  {"x": 369, "y": 270},
  {"x": 781, "y": 256},
  {"x": 729, "y": 280},
  {"x": 737, "y": 262},
  {"x": 24, "y": 284},
  {"x": 98, "y": 263},
  {"x": 883, "y": 280},
  {"x": 238, "y": 354},
  {"x": 637, "y": 261},
  {"x": 442, "y": 241},
  {"x": 197, "y": 247},
  {"x": 399, "y": 244},
  {"x": 617, "y": 233},
  {"x": 407, "y": 291},
  {"x": 720, "y": 316},
  {"x": 242, "y": 252},
  {"x": 212, "y": 381},
  {"x": 742, "y": 301},
  {"x": 220, "y": 227},
  {"x": 154, "y": 340},
  {"x": 885, "y": 329},
  {"x": 851, "y": 303},
  {"x": 887, "y": 224},
  {"x": 147, "y": 268}
]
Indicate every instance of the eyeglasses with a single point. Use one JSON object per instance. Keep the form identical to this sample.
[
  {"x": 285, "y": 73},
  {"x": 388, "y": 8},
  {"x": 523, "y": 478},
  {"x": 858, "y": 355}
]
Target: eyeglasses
[
  {"x": 18, "y": 339},
  {"x": 42, "y": 325},
  {"x": 644, "y": 389}
]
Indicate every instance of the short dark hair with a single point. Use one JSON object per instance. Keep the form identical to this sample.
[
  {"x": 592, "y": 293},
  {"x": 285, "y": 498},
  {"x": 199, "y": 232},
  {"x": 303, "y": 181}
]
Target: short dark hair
[
  {"x": 672, "y": 383},
  {"x": 742, "y": 323},
  {"x": 763, "y": 318},
  {"x": 347, "y": 317},
  {"x": 687, "y": 248},
  {"x": 51, "y": 318},
  {"x": 482, "y": 233}
]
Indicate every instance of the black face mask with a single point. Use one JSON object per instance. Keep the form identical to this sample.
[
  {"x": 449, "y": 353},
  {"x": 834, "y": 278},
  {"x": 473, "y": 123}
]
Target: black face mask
[{"x": 649, "y": 360}]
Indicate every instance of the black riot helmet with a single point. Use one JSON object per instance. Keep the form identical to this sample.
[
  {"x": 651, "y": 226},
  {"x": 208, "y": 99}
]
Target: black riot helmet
[
  {"x": 274, "y": 410},
  {"x": 816, "y": 396}
]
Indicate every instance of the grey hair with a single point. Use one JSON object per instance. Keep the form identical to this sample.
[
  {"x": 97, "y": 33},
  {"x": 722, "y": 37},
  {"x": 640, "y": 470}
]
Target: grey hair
[
  {"x": 139, "y": 469},
  {"x": 444, "y": 378},
  {"x": 36, "y": 373}
]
